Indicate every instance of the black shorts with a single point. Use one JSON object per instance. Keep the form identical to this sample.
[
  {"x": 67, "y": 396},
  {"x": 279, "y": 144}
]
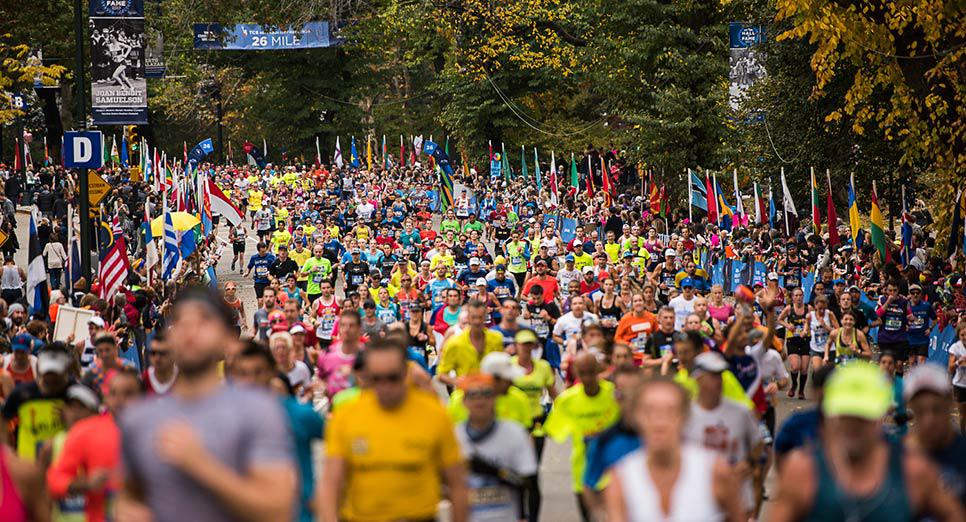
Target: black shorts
[
  {"x": 798, "y": 346},
  {"x": 901, "y": 349},
  {"x": 921, "y": 350},
  {"x": 959, "y": 393},
  {"x": 238, "y": 247},
  {"x": 260, "y": 289}
]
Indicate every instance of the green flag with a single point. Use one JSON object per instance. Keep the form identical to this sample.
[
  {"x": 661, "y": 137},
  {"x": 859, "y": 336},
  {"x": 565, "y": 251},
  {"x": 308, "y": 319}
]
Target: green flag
[
  {"x": 504, "y": 164},
  {"x": 574, "y": 177},
  {"x": 536, "y": 170},
  {"x": 523, "y": 162}
]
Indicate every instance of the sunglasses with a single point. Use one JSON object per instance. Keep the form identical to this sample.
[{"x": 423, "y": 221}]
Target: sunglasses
[{"x": 387, "y": 378}]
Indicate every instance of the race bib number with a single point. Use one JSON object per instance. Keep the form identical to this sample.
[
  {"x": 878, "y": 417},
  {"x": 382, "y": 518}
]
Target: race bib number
[{"x": 893, "y": 323}]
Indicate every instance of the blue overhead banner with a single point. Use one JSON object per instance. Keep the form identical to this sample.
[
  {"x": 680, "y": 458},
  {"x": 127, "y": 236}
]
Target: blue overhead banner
[
  {"x": 745, "y": 61},
  {"x": 255, "y": 37},
  {"x": 200, "y": 150}
]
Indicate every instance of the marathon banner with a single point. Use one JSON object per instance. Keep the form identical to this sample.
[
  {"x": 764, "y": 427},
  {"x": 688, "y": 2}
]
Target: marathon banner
[
  {"x": 154, "y": 55},
  {"x": 202, "y": 149},
  {"x": 119, "y": 88},
  {"x": 745, "y": 60},
  {"x": 254, "y": 37}
]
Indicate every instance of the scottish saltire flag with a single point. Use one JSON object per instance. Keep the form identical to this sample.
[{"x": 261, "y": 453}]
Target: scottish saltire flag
[
  {"x": 37, "y": 295},
  {"x": 172, "y": 251},
  {"x": 353, "y": 154}
]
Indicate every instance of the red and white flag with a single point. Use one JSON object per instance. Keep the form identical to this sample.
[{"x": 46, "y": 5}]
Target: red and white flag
[
  {"x": 221, "y": 204},
  {"x": 113, "y": 268}
]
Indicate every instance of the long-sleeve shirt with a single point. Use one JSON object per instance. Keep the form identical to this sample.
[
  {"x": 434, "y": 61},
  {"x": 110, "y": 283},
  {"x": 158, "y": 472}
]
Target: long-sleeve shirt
[{"x": 92, "y": 444}]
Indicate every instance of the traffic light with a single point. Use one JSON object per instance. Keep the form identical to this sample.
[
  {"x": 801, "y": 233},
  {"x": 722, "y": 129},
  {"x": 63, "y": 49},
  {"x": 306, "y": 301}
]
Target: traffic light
[{"x": 133, "y": 139}]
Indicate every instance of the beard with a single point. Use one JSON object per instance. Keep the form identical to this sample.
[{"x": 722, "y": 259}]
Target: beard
[{"x": 195, "y": 367}]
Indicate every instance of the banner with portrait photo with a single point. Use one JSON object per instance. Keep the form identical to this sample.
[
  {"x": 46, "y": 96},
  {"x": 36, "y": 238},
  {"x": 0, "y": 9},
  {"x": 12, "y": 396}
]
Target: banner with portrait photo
[
  {"x": 119, "y": 88},
  {"x": 746, "y": 64}
]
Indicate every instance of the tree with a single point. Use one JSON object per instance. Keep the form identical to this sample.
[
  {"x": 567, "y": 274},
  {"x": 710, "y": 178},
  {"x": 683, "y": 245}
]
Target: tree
[
  {"x": 907, "y": 57},
  {"x": 18, "y": 71}
]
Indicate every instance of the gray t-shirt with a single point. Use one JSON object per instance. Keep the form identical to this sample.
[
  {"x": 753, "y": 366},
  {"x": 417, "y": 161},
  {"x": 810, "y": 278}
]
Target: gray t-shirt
[
  {"x": 508, "y": 447},
  {"x": 241, "y": 427}
]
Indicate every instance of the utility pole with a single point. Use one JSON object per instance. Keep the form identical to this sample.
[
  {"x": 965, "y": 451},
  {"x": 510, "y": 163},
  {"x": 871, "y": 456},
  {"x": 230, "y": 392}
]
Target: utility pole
[{"x": 81, "y": 120}]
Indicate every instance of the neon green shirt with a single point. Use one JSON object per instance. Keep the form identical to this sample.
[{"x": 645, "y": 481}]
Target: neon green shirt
[{"x": 578, "y": 416}]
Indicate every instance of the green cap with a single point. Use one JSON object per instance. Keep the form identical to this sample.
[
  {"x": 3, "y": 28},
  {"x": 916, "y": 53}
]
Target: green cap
[{"x": 858, "y": 389}]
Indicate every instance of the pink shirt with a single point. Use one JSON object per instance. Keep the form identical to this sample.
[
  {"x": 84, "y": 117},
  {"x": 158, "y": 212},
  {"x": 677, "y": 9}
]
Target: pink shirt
[
  {"x": 722, "y": 313},
  {"x": 335, "y": 368}
]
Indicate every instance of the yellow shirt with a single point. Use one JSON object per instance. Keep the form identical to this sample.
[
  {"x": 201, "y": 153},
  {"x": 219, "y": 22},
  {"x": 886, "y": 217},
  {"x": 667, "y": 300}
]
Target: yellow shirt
[
  {"x": 512, "y": 406},
  {"x": 334, "y": 231},
  {"x": 308, "y": 230},
  {"x": 396, "y": 277},
  {"x": 534, "y": 383},
  {"x": 255, "y": 200},
  {"x": 440, "y": 259},
  {"x": 363, "y": 232},
  {"x": 300, "y": 258},
  {"x": 394, "y": 459},
  {"x": 613, "y": 251},
  {"x": 583, "y": 260},
  {"x": 460, "y": 355},
  {"x": 279, "y": 238},
  {"x": 578, "y": 416}
]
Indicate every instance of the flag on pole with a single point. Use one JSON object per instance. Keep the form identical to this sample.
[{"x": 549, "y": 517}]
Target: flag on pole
[
  {"x": 574, "y": 175},
  {"x": 712, "y": 199},
  {"x": 37, "y": 295},
  {"x": 115, "y": 155},
  {"x": 17, "y": 164},
  {"x": 605, "y": 181},
  {"x": 124, "y": 154},
  {"x": 536, "y": 171},
  {"x": 353, "y": 154},
  {"x": 113, "y": 267},
  {"x": 184, "y": 145},
  {"x": 725, "y": 214},
  {"x": 878, "y": 227},
  {"x": 553, "y": 179},
  {"x": 816, "y": 215},
  {"x": 223, "y": 205},
  {"x": 444, "y": 170},
  {"x": 369, "y": 152},
  {"x": 906, "y": 230},
  {"x": 172, "y": 254},
  {"x": 833, "y": 218},
  {"x": 523, "y": 163},
  {"x": 739, "y": 205},
  {"x": 150, "y": 245},
  {"x": 415, "y": 150},
  {"x": 402, "y": 152},
  {"x": 654, "y": 195},
  {"x": 590, "y": 178},
  {"x": 318, "y": 151},
  {"x": 385, "y": 155},
  {"x": 47, "y": 153},
  {"x": 504, "y": 162},
  {"x": 854, "y": 224},
  {"x": 760, "y": 211},
  {"x": 265, "y": 149},
  {"x": 957, "y": 228},
  {"x": 687, "y": 172},
  {"x": 772, "y": 211},
  {"x": 339, "y": 162}
]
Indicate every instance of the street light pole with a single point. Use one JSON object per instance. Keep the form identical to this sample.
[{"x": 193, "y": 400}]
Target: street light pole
[{"x": 81, "y": 119}]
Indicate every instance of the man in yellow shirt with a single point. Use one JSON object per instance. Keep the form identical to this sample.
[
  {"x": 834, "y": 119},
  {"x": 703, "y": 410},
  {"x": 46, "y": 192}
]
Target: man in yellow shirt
[
  {"x": 387, "y": 450},
  {"x": 580, "y": 411},
  {"x": 463, "y": 352},
  {"x": 581, "y": 258},
  {"x": 512, "y": 404}
]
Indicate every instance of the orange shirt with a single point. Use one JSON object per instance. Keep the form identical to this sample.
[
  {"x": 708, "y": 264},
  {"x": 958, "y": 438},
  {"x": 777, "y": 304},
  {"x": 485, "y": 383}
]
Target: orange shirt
[{"x": 634, "y": 330}]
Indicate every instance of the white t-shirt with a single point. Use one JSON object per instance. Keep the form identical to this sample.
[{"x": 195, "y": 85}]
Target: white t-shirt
[
  {"x": 508, "y": 447},
  {"x": 299, "y": 375},
  {"x": 771, "y": 367},
  {"x": 729, "y": 430},
  {"x": 956, "y": 351},
  {"x": 682, "y": 309},
  {"x": 568, "y": 325},
  {"x": 365, "y": 210}
]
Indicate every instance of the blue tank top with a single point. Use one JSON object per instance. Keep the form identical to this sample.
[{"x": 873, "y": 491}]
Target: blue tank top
[{"x": 889, "y": 503}]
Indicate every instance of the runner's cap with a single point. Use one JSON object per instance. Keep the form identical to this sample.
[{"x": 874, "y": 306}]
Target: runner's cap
[
  {"x": 670, "y": 252},
  {"x": 481, "y": 281},
  {"x": 499, "y": 364},
  {"x": 858, "y": 389},
  {"x": 926, "y": 377},
  {"x": 96, "y": 321},
  {"x": 709, "y": 363},
  {"x": 84, "y": 395},
  {"x": 474, "y": 261},
  {"x": 52, "y": 362},
  {"x": 525, "y": 335}
]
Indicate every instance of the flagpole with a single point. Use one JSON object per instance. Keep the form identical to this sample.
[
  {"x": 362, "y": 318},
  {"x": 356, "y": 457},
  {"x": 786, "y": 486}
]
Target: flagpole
[
  {"x": 687, "y": 174},
  {"x": 785, "y": 206}
]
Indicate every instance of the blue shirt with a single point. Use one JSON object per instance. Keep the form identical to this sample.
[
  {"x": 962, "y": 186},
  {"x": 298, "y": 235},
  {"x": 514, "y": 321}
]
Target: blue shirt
[
  {"x": 502, "y": 289},
  {"x": 259, "y": 265},
  {"x": 306, "y": 425},
  {"x": 920, "y": 323},
  {"x": 605, "y": 449},
  {"x": 798, "y": 430}
]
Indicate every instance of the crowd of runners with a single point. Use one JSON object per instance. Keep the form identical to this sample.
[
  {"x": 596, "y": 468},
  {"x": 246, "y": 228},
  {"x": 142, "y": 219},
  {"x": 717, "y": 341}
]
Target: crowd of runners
[{"x": 405, "y": 357}]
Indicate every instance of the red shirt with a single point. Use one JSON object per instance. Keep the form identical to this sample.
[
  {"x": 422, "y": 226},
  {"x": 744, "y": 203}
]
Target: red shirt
[
  {"x": 92, "y": 444},
  {"x": 587, "y": 289},
  {"x": 549, "y": 284}
]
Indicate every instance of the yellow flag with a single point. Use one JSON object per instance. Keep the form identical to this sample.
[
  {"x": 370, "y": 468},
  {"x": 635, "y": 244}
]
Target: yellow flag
[{"x": 369, "y": 152}]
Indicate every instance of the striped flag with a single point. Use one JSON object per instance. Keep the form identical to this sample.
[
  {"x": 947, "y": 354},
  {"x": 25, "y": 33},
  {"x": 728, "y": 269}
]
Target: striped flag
[
  {"x": 854, "y": 224},
  {"x": 816, "y": 215},
  {"x": 878, "y": 227},
  {"x": 833, "y": 218},
  {"x": 150, "y": 245},
  {"x": 172, "y": 252},
  {"x": 113, "y": 266},
  {"x": 37, "y": 295}
]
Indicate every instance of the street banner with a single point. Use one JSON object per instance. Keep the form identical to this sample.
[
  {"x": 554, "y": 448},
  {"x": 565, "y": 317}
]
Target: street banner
[
  {"x": 254, "y": 37},
  {"x": 119, "y": 89},
  {"x": 745, "y": 61},
  {"x": 154, "y": 54}
]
